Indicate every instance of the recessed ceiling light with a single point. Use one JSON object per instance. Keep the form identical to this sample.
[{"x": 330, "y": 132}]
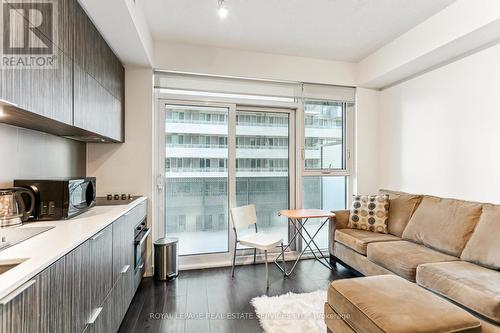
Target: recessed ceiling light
[{"x": 221, "y": 9}]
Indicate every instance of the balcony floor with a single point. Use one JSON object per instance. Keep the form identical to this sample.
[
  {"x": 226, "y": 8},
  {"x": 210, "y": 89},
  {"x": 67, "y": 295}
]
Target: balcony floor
[{"x": 198, "y": 242}]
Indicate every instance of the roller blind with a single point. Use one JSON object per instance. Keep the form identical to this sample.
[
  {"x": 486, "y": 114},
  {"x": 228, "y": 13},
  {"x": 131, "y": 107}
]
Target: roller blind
[
  {"x": 212, "y": 84},
  {"x": 320, "y": 91}
]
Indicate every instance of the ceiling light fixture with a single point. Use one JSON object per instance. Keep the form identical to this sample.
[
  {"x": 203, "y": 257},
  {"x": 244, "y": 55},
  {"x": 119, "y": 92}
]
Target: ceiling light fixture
[{"x": 221, "y": 9}]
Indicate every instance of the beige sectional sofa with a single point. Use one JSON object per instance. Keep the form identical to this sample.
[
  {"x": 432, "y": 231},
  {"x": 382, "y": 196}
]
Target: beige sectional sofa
[{"x": 450, "y": 247}]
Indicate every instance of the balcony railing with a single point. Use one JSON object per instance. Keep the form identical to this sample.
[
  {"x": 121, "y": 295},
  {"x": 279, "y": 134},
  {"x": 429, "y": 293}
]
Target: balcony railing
[
  {"x": 247, "y": 123},
  {"x": 215, "y": 145},
  {"x": 208, "y": 146},
  {"x": 208, "y": 170}
]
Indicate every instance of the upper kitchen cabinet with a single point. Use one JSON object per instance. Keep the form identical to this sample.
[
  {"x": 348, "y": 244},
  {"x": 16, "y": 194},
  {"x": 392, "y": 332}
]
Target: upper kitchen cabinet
[
  {"x": 96, "y": 110},
  {"x": 77, "y": 90},
  {"x": 93, "y": 54},
  {"x": 99, "y": 81},
  {"x": 36, "y": 79}
]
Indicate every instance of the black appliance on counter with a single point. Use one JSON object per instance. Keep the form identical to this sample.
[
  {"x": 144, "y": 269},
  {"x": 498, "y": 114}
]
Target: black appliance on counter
[{"x": 60, "y": 199}]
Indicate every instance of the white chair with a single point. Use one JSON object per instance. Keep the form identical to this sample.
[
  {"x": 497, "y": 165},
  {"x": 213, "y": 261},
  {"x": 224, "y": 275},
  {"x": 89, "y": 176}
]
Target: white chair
[{"x": 243, "y": 217}]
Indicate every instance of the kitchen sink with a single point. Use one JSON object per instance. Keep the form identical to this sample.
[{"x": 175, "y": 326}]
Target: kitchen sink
[{"x": 6, "y": 265}]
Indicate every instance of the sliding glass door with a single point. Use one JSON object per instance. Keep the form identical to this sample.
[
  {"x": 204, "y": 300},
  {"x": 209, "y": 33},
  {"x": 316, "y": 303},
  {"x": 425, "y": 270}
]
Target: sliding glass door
[
  {"x": 263, "y": 166},
  {"x": 214, "y": 156},
  {"x": 196, "y": 177}
]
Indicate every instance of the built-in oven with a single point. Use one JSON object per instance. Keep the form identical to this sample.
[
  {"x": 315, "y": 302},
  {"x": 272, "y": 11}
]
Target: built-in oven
[{"x": 141, "y": 232}]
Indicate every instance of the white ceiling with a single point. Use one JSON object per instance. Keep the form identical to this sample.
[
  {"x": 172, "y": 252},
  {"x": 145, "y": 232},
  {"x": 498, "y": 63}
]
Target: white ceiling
[{"x": 347, "y": 30}]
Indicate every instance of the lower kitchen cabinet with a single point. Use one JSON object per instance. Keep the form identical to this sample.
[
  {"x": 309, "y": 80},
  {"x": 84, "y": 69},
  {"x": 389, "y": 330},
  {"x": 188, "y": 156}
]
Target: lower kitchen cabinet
[
  {"x": 103, "y": 320},
  {"x": 122, "y": 235},
  {"x": 21, "y": 309},
  {"x": 101, "y": 266},
  {"x": 87, "y": 290},
  {"x": 123, "y": 293},
  {"x": 77, "y": 276},
  {"x": 53, "y": 300}
]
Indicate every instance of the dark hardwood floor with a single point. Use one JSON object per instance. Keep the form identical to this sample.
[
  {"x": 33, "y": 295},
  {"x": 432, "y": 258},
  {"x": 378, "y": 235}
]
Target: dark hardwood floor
[{"x": 200, "y": 300}]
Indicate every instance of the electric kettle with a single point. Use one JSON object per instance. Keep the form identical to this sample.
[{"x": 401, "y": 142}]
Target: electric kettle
[{"x": 12, "y": 206}]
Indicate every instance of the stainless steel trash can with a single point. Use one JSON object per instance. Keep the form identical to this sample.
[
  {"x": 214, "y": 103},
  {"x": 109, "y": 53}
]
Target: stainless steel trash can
[{"x": 166, "y": 259}]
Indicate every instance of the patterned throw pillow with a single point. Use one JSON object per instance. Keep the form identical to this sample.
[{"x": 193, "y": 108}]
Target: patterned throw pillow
[{"x": 370, "y": 212}]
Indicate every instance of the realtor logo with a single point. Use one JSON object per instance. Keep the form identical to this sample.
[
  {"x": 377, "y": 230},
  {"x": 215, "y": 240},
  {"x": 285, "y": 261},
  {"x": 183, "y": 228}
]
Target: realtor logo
[{"x": 29, "y": 32}]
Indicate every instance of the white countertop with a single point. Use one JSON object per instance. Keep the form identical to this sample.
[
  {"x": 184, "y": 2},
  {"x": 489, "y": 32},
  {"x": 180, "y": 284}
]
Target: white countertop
[{"x": 46, "y": 248}]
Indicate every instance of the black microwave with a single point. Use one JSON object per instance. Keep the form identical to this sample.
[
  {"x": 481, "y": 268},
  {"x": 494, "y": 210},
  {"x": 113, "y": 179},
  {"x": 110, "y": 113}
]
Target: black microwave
[{"x": 59, "y": 199}]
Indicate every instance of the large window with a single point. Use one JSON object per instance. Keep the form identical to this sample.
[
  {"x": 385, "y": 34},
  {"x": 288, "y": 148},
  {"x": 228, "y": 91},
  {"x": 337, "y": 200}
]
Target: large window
[
  {"x": 230, "y": 142},
  {"x": 326, "y": 170}
]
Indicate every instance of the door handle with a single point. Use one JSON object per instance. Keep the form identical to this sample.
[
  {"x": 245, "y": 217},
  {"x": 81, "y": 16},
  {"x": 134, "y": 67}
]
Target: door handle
[
  {"x": 17, "y": 292},
  {"x": 146, "y": 234},
  {"x": 125, "y": 269},
  {"x": 95, "y": 315}
]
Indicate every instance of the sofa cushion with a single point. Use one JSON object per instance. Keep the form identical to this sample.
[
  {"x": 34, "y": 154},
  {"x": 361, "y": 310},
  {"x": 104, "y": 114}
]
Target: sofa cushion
[
  {"x": 387, "y": 303},
  {"x": 483, "y": 247},
  {"x": 357, "y": 261},
  {"x": 370, "y": 212},
  {"x": 359, "y": 239},
  {"x": 401, "y": 208},
  {"x": 403, "y": 257},
  {"x": 443, "y": 224},
  {"x": 470, "y": 285}
]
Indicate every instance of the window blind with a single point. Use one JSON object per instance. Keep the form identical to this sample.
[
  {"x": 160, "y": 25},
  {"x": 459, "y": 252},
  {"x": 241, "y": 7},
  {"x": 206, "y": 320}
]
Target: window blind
[{"x": 198, "y": 84}]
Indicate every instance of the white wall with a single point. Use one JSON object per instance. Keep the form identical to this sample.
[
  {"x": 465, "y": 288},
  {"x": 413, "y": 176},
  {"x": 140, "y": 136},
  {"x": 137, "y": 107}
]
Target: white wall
[
  {"x": 229, "y": 62},
  {"x": 439, "y": 133},
  {"x": 366, "y": 151}
]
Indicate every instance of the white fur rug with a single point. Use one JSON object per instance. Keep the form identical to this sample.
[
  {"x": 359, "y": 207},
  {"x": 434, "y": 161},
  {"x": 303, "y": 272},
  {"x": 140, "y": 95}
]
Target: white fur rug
[{"x": 300, "y": 313}]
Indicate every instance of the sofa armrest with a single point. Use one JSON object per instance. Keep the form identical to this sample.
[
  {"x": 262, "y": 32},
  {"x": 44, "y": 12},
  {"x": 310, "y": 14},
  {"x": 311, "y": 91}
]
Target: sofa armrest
[{"x": 340, "y": 221}]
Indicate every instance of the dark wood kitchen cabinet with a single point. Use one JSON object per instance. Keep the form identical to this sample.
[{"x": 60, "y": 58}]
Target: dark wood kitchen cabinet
[
  {"x": 99, "y": 81},
  {"x": 63, "y": 10},
  {"x": 83, "y": 89},
  {"x": 87, "y": 290},
  {"x": 20, "y": 310},
  {"x": 95, "y": 57},
  {"x": 101, "y": 266},
  {"x": 39, "y": 305},
  {"x": 77, "y": 279},
  {"x": 95, "y": 109},
  {"x": 45, "y": 90}
]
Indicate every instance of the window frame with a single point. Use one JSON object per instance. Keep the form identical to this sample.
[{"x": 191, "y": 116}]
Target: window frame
[
  {"x": 347, "y": 129},
  {"x": 297, "y": 168},
  {"x": 348, "y": 163}
]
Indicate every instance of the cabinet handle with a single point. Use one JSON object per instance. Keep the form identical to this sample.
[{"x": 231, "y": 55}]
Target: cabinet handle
[
  {"x": 17, "y": 292},
  {"x": 96, "y": 236},
  {"x": 95, "y": 315},
  {"x": 125, "y": 269}
]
